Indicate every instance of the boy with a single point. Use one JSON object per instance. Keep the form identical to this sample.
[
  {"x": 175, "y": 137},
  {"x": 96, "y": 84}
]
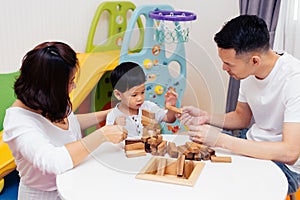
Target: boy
[{"x": 128, "y": 80}]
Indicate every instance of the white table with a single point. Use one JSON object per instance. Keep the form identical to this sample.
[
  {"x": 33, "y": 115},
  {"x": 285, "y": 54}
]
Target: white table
[{"x": 109, "y": 174}]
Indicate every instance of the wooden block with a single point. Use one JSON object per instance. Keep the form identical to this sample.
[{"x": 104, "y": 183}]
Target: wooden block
[
  {"x": 205, "y": 155},
  {"x": 155, "y": 140},
  {"x": 172, "y": 150},
  {"x": 158, "y": 131},
  {"x": 161, "y": 166},
  {"x": 194, "y": 144},
  {"x": 180, "y": 165},
  {"x": 148, "y": 114},
  {"x": 192, "y": 148},
  {"x": 153, "y": 125},
  {"x": 132, "y": 141},
  {"x": 162, "y": 145},
  {"x": 173, "y": 108},
  {"x": 171, "y": 168},
  {"x": 145, "y": 133},
  {"x": 197, "y": 156},
  {"x": 211, "y": 151},
  {"x": 224, "y": 159},
  {"x": 135, "y": 146},
  {"x": 182, "y": 149},
  {"x": 161, "y": 152},
  {"x": 188, "y": 168},
  {"x": 135, "y": 153},
  {"x": 146, "y": 121},
  {"x": 159, "y": 138}
]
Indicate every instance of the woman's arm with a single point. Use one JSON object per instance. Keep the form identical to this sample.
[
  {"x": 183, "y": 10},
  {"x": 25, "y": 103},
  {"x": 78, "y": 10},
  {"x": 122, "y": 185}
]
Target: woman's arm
[{"x": 91, "y": 119}]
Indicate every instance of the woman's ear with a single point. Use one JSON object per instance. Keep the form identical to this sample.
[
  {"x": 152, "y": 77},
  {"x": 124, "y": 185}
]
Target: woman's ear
[{"x": 117, "y": 94}]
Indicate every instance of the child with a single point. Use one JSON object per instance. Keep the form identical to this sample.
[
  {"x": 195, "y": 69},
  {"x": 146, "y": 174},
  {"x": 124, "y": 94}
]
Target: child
[{"x": 128, "y": 80}]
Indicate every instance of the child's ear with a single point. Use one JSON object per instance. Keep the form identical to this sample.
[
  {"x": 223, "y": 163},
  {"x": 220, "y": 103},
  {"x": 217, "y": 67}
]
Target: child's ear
[{"x": 117, "y": 94}]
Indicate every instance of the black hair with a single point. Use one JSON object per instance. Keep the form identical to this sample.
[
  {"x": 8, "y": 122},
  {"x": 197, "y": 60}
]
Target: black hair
[
  {"x": 245, "y": 33},
  {"x": 127, "y": 75},
  {"x": 43, "y": 83}
]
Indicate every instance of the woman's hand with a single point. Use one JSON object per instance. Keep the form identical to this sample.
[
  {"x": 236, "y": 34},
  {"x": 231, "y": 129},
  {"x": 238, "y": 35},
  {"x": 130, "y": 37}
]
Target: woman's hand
[
  {"x": 120, "y": 120},
  {"x": 114, "y": 133}
]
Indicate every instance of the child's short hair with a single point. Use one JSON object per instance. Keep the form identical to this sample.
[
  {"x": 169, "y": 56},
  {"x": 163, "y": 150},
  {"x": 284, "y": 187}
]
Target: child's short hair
[{"x": 127, "y": 75}]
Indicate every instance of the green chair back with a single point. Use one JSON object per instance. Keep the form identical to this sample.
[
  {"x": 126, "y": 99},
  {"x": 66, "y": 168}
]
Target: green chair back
[{"x": 7, "y": 94}]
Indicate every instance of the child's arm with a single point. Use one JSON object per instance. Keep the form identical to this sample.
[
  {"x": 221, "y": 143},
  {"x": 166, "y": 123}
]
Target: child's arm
[{"x": 170, "y": 101}]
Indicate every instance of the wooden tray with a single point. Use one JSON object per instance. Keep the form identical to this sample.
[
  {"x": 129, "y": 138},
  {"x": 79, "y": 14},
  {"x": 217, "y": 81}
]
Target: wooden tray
[{"x": 168, "y": 173}]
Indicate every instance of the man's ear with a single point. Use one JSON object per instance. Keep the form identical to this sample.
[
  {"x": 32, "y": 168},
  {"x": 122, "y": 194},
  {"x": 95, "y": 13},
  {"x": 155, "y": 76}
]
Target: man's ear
[
  {"x": 255, "y": 60},
  {"x": 117, "y": 94}
]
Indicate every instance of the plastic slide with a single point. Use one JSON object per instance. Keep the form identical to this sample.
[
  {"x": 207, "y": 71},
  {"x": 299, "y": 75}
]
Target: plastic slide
[
  {"x": 7, "y": 163},
  {"x": 92, "y": 67}
]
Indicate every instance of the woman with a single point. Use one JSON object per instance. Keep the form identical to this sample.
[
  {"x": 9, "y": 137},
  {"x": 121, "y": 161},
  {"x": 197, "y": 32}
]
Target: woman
[{"x": 40, "y": 127}]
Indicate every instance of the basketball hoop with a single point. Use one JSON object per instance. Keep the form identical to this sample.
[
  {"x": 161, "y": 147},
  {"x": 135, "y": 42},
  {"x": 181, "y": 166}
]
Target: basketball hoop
[{"x": 172, "y": 26}]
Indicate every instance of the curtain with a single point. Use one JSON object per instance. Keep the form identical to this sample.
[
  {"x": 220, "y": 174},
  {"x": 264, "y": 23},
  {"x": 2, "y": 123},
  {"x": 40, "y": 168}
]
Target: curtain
[
  {"x": 269, "y": 11},
  {"x": 287, "y": 35}
]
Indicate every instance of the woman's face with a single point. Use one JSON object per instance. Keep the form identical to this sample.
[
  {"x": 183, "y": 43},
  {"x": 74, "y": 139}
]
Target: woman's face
[{"x": 72, "y": 84}]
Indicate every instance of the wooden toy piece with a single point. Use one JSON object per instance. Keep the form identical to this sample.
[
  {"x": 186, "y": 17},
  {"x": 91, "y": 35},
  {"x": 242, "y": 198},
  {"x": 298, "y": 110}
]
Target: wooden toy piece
[
  {"x": 148, "y": 121},
  {"x": 172, "y": 150},
  {"x": 197, "y": 156},
  {"x": 180, "y": 165},
  {"x": 204, "y": 155},
  {"x": 196, "y": 145},
  {"x": 211, "y": 151},
  {"x": 173, "y": 108},
  {"x": 224, "y": 159},
  {"x": 162, "y": 148},
  {"x": 135, "y": 153},
  {"x": 188, "y": 168},
  {"x": 158, "y": 131},
  {"x": 148, "y": 114},
  {"x": 182, "y": 149},
  {"x": 135, "y": 146},
  {"x": 192, "y": 147},
  {"x": 161, "y": 167},
  {"x": 132, "y": 141}
]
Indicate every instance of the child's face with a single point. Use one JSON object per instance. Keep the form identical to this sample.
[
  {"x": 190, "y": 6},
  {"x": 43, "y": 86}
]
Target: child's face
[{"x": 134, "y": 97}]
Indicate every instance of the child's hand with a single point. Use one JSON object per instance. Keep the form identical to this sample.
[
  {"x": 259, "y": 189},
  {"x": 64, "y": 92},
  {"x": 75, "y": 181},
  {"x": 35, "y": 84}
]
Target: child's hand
[
  {"x": 171, "y": 98},
  {"x": 120, "y": 120}
]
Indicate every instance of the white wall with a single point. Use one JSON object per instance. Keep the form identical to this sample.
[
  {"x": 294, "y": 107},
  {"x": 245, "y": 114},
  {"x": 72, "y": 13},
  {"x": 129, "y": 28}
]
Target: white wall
[{"x": 27, "y": 23}]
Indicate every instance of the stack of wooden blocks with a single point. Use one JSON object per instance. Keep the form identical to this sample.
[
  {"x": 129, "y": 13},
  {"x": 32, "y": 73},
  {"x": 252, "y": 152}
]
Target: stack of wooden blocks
[{"x": 152, "y": 142}]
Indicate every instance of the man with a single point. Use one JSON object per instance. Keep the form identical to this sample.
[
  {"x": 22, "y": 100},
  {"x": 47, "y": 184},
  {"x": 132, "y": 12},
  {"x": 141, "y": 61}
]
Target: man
[{"x": 269, "y": 92}]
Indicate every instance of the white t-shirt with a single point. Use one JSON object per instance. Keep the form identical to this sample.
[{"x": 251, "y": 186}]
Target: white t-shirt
[
  {"x": 38, "y": 146},
  {"x": 133, "y": 122},
  {"x": 273, "y": 100}
]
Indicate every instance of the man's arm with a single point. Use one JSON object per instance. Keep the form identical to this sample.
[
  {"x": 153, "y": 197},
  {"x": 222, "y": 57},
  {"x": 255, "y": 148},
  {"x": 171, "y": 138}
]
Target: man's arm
[
  {"x": 238, "y": 119},
  {"x": 286, "y": 151}
]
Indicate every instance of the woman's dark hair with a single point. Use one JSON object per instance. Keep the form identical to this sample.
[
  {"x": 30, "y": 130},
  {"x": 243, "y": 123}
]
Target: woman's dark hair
[
  {"x": 43, "y": 84},
  {"x": 127, "y": 75},
  {"x": 244, "y": 34}
]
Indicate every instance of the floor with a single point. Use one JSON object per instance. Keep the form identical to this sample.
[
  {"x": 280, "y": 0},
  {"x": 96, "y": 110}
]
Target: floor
[{"x": 10, "y": 190}]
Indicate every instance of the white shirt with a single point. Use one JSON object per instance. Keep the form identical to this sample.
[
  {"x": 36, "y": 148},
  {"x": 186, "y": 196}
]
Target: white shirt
[
  {"x": 133, "y": 122},
  {"x": 273, "y": 100},
  {"x": 38, "y": 146}
]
